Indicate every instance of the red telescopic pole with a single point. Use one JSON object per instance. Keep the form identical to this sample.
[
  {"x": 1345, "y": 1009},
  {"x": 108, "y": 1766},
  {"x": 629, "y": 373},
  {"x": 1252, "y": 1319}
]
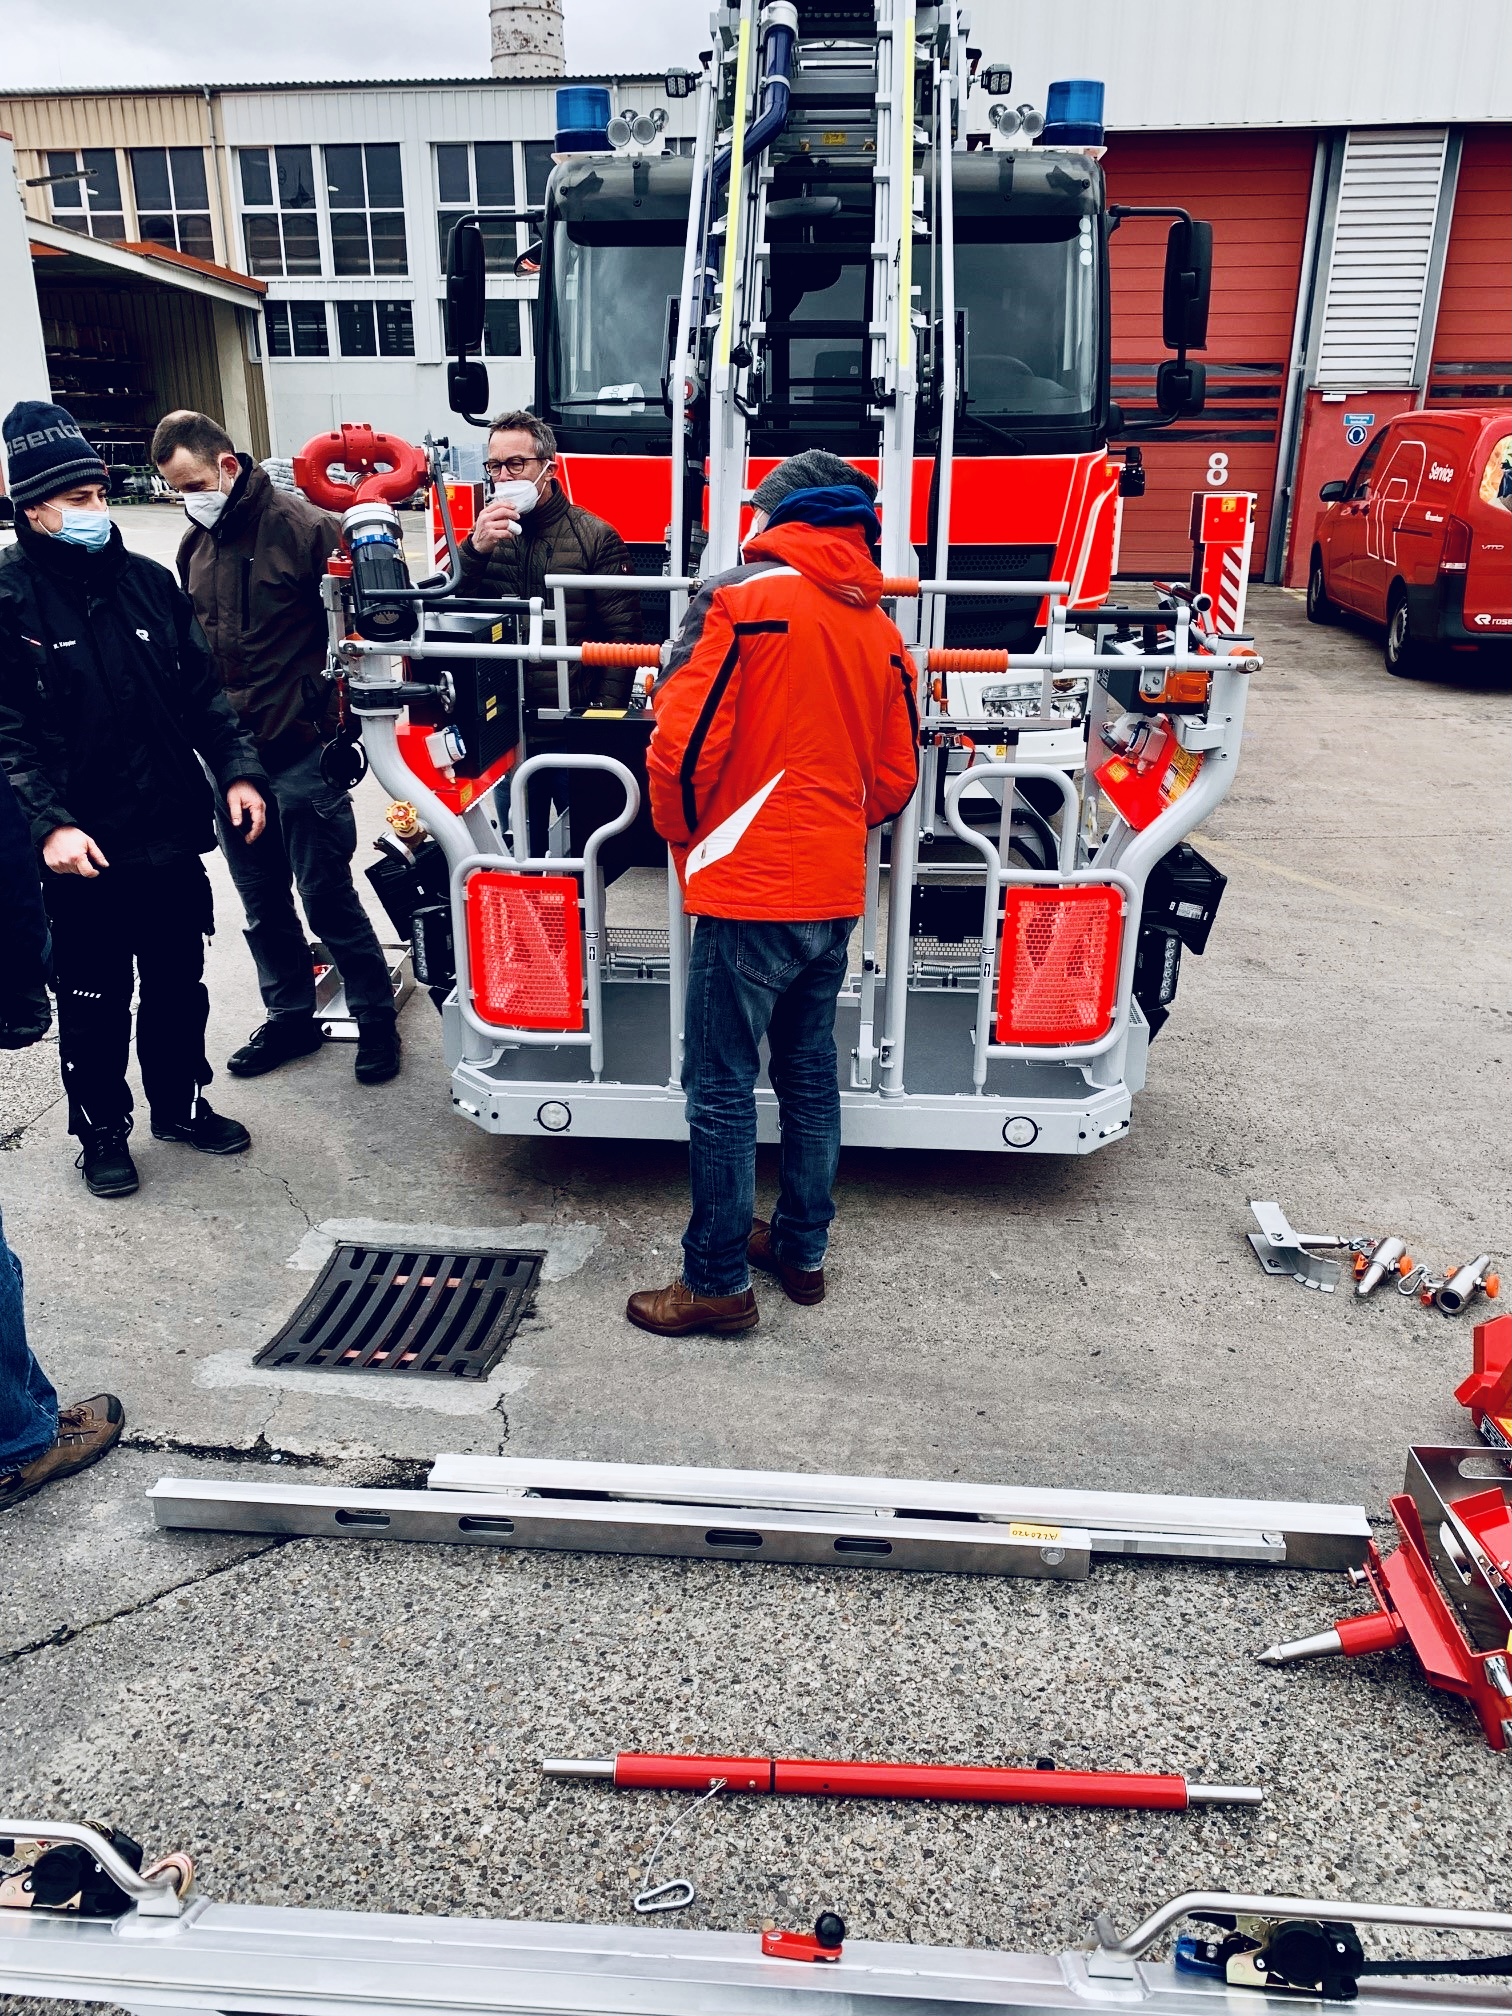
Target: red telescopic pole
[{"x": 980, "y": 1783}]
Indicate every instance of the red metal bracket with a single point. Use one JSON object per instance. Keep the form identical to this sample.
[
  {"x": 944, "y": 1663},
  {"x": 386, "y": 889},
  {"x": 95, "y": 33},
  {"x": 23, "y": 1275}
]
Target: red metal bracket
[
  {"x": 825, "y": 1942},
  {"x": 1488, "y": 1390}
]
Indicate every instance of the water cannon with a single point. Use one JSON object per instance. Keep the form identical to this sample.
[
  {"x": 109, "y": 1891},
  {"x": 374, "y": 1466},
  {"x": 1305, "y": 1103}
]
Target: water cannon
[
  {"x": 1074, "y": 113},
  {"x": 389, "y": 470}
]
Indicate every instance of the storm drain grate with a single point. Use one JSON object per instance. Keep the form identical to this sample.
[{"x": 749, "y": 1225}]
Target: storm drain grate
[{"x": 441, "y": 1315}]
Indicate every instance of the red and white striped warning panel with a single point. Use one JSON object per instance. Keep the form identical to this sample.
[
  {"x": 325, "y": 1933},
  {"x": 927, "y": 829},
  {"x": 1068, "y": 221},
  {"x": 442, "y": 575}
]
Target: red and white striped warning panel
[{"x": 1223, "y": 531}]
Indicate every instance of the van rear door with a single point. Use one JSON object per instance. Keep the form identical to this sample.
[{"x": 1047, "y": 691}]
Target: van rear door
[{"x": 1486, "y": 502}]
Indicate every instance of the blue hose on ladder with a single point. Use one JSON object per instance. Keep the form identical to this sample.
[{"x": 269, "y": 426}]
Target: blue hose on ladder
[{"x": 779, "y": 41}]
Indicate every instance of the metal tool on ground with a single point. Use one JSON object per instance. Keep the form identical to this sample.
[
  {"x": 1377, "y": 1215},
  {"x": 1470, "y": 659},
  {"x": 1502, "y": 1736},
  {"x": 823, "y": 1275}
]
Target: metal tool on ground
[
  {"x": 1375, "y": 1259},
  {"x": 1446, "y": 1589},
  {"x": 776, "y": 1516},
  {"x": 1488, "y": 1390},
  {"x": 825, "y": 1942},
  {"x": 1476, "y": 1277},
  {"x": 1281, "y": 1249},
  {"x": 974, "y": 1784},
  {"x": 677, "y": 1893},
  {"x": 217, "y": 1957}
]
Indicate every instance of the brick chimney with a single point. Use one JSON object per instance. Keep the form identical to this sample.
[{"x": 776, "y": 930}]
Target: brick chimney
[{"x": 525, "y": 38}]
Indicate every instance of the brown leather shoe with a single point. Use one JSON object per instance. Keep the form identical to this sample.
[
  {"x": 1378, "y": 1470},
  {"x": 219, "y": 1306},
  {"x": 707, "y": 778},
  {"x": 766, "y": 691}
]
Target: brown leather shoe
[
  {"x": 799, "y": 1284},
  {"x": 676, "y": 1311},
  {"x": 85, "y": 1431}
]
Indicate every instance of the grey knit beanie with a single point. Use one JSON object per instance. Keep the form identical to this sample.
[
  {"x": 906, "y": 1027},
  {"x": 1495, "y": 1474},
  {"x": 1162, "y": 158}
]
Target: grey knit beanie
[
  {"x": 814, "y": 469},
  {"x": 45, "y": 453}
]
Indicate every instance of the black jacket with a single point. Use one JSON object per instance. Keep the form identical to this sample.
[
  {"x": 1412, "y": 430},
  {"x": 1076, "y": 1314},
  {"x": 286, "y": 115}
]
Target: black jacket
[
  {"x": 107, "y": 696},
  {"x": 24, "y": 1010},
  {"x": 254, "y": 579},
  {"x": 562, "y": 538}
]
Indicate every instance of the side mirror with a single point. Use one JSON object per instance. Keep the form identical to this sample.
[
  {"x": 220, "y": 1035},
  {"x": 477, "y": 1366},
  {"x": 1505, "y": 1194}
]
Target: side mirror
[
  {"x": 465, "y": 290},
  {"x": 1333, "y": 491},
  {"x": 1188, "y": 285},
  {"x": 528, "y": 265},
  {"x": 1180, "y": 389},
  {"x": 467, "y": 387}
]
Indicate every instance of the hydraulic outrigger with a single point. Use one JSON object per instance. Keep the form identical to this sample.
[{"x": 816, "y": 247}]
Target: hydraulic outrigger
[{"x": 1025, "y": 914}]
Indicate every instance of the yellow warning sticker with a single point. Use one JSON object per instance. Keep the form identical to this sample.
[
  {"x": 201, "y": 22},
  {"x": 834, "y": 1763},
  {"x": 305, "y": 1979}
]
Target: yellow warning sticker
[
  {"x": 1022, "y": 1529},
  {"x": 1181, "y": 774},
  {"x": 833, "y": 139}
]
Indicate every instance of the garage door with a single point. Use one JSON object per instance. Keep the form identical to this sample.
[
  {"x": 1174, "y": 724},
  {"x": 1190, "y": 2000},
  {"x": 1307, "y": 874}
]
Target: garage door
[
  {"x": 1472, "y": 345},
  {"x": 1254, "y": 189}
]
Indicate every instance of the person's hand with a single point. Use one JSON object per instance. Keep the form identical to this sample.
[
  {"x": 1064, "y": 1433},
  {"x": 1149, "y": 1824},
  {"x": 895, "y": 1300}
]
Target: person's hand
[
  {"x": 495, "y": 523},
  {"x": 68, "y": 850},
  {"x": 245, "y": 804}
]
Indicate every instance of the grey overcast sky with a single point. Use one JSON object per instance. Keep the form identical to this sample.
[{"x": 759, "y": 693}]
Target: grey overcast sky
[{"x": 52, "y": 44}]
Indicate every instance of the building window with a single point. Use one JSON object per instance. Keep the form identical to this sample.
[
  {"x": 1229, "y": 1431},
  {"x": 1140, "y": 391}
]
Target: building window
[
  {"x": 480, "y": 176},
  {"x": 366, "y": 192},
  {"x": 278, "y": 210},
  {"x": 501, "y": 329},
  {"x": 297, "y": 329},
  {"x": 172, "y": 199},
  {"x": 376, "y": 328},
  {"x": 87, "y": 197},
  {"x": 538, "y": 167}
]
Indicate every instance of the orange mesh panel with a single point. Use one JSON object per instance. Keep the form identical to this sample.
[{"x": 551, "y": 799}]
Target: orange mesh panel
[
  {"x": 1058, "y": 968},
  {"x": 524, "y": 950}
]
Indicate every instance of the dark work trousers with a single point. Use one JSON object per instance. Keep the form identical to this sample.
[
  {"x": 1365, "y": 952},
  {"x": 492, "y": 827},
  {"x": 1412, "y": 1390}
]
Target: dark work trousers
[
  {"x": 124, "y": 924},
  {"x": 308, "y": 842}
]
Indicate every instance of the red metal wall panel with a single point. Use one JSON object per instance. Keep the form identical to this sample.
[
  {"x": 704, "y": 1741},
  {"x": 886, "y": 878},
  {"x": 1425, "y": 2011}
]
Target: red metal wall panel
[
  {"x": 1472, "y": 344},
  {"x": 1254, "y": 189}
]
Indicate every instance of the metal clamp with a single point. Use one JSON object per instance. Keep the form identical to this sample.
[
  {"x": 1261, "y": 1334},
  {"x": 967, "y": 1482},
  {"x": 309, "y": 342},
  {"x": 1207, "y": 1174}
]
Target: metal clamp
[{"x": 154, "y": 1896}]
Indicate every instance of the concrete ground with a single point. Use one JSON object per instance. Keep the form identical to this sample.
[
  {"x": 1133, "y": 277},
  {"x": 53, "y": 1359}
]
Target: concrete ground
[{"x": 361, "y": 1724}]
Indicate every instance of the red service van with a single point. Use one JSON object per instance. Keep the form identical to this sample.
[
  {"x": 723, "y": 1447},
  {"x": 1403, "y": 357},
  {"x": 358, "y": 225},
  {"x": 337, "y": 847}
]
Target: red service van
[{"x": 1419, "y": 539}]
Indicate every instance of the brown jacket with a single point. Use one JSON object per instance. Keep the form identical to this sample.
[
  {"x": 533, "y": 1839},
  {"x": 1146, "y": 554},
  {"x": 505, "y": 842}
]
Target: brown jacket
[
  {"x": 562, "y": 538},
  {"x": 254, "y": 579}
]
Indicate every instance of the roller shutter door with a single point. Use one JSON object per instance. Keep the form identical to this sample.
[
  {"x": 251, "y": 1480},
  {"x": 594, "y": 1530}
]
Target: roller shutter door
[
  {"x": 1254, "y": 189},
  {"x": 1472, "y": 346}
]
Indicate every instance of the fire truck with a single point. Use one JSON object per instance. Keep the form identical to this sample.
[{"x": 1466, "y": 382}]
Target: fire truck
[{"x": 835, "y": 264}]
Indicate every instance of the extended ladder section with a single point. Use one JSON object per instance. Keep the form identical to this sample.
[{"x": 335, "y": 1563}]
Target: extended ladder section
[{"x": 774, "y": 1516}]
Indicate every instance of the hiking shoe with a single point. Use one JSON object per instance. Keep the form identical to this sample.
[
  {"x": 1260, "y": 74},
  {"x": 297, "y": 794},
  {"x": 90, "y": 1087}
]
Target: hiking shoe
[
  {"x": 677, "y": 1312},
  {"x": 205, "y": 1129},
  {"x": 85, "y": 1431},
  {"x": 106, "y": 1160},
  {"x": 275, "y": 1043},
  {"x": 378, "y": 1048},
  {"x": 799, "y": 1284}
]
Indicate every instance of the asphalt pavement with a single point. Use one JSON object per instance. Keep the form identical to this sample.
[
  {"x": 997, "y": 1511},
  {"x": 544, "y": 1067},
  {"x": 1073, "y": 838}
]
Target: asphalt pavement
[{"x": 360, "y": 1724}]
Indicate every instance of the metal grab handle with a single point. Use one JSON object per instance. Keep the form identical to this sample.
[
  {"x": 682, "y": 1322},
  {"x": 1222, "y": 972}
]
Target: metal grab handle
[
  {"x": 975, "y": 773},
  {"x": 155, "y": 1897},
  {"x": 1427, "y": 1916},
  {"x": 585, "y": 863}
]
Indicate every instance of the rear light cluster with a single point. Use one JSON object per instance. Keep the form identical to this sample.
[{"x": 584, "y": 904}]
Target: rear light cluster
[{"x": 1455, "y": 558}]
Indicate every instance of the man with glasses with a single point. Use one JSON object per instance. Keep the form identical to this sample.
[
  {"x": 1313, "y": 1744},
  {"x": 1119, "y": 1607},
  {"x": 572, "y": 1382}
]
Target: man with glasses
[{"x": 528, "y": 530}]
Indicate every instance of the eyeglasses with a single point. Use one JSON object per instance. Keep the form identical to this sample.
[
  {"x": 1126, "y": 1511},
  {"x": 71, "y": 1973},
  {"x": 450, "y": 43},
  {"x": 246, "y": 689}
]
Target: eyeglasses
[{"x": 515, "y": 465}]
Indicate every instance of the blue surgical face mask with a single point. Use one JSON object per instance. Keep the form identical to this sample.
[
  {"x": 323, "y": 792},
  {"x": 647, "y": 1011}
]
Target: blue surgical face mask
[{"x": 90, "y": 529}]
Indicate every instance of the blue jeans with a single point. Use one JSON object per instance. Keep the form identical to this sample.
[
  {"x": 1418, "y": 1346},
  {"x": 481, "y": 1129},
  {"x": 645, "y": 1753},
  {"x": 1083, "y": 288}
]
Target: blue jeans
[
  {"x": 745, "y": 981},
  {"x": 28, "y": 1404},
  {"x": 308, "y": 842}
]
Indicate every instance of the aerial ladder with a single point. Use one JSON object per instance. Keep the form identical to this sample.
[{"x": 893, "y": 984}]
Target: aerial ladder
[{"x": 1025, "y": 914}]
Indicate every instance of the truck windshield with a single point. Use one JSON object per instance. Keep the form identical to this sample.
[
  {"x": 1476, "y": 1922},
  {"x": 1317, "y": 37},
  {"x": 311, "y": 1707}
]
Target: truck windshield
[
  {"x": 1031, "y": 323},
  {"x": 609, "y": 320}
]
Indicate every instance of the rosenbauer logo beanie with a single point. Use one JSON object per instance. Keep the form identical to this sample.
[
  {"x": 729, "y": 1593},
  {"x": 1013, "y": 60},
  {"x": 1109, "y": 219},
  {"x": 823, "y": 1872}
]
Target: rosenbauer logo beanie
[{"x": 46, "y": 453}]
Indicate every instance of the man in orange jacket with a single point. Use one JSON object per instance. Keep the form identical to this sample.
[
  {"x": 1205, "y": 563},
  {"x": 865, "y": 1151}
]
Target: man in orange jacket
[{"x": 786, "y": 725}]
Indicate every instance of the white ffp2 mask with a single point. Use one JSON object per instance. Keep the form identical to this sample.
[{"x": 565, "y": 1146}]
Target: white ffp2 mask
[{"x": 206, "y": 506}]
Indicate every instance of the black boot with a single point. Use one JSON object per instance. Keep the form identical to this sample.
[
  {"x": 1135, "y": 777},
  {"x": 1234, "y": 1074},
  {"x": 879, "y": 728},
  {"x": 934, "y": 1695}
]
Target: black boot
[
  {"x": 106, "y": 1160},
  {"x": 205, "y": 1129},
  {"x": 378, "y": 1049},
  {"x": 273, "y": 1044}
]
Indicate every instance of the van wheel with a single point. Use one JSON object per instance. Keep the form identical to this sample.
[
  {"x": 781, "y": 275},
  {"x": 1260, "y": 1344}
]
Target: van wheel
[
  {"x": 1405, "y": 656},
  {"x": 1319, "y": 608}
]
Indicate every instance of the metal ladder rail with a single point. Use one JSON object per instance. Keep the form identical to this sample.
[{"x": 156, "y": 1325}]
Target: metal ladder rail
[
  {"x": 894, "y": 366},
  {"x": 690, "y": 313},
  {"x": 727, "y": 422}
]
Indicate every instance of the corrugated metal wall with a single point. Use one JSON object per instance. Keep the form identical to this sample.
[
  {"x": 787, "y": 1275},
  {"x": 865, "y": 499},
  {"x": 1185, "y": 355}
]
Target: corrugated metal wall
[
  {"x": 86, "y": 119},
  {"x": 1176, "y": 64},
  {"x": 171, "y": 355},
  {"x": 1472, "y": 350},
  {"x": 1254, "y": 188},
  {"x": 1388, "y": 205}
]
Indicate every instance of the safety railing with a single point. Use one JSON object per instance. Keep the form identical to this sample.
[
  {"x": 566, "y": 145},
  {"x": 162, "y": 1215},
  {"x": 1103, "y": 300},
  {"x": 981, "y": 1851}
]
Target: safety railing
[
  {"x": 1102, "y": 954},
  {"x": 552, "y": 928}
]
